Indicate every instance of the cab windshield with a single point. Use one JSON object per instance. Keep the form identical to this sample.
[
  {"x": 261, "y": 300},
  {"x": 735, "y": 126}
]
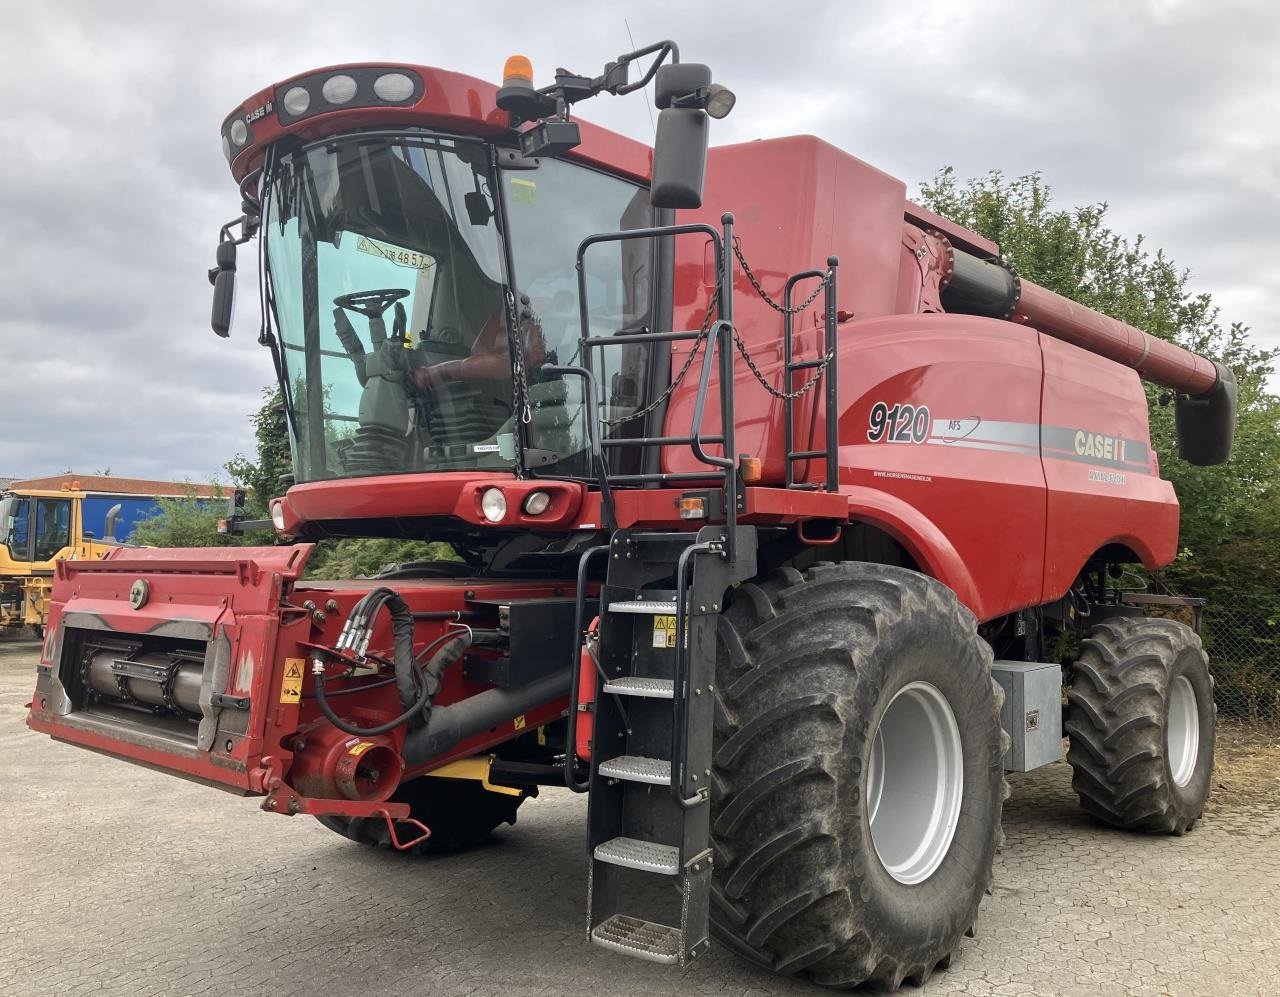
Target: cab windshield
[{"x": 385, "y": 267}]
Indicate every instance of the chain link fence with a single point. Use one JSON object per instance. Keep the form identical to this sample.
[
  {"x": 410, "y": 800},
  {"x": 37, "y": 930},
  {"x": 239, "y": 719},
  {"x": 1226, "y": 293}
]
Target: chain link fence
[{"x": 1244, "y": 655}]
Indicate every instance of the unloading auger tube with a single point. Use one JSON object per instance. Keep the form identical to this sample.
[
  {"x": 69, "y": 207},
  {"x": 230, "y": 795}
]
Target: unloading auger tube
[{"x": 1205, "y": 399}]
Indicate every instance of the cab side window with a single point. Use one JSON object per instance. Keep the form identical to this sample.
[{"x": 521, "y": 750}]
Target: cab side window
[{"x": 53, "y": 527}]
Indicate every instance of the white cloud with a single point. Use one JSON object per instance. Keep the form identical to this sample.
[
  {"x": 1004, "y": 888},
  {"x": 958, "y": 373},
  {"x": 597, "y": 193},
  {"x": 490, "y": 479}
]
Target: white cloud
[{"x": 113, "y": 186}]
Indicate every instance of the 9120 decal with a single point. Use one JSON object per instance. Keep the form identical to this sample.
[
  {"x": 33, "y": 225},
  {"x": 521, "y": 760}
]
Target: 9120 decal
[{"x": 899, "y": 423}]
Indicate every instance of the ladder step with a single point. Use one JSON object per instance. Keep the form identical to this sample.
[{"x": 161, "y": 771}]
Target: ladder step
[
  {"x": 641, "y": 607},
  {"x": 643, "y": 687},
  {"x": 637, "y": 768},
  {"x": 647, "y": 856},
  {"x": 642, "y": 939}
]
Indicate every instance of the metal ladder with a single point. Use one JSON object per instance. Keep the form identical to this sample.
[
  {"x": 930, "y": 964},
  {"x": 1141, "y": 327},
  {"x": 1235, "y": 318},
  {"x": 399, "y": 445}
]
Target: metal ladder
[
  {"x": 649, "y": 812},
  {"x": 651, "y": 754}
]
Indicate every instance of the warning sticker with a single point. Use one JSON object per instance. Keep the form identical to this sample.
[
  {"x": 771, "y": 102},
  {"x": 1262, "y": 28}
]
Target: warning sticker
[
  {"x": 523, "y": 191},
  {"x": 291, "y": 687},
  {"x": 519, "y": 722},
  {"x": 356, "y": 750},
  {"x": 664, "y": 631}
]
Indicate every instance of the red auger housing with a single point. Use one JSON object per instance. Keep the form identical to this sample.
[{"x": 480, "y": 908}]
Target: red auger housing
[{"x": 492, "y": 329}]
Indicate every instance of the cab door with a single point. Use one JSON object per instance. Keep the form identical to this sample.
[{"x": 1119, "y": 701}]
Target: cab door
[{"x": 51, "y": 532}]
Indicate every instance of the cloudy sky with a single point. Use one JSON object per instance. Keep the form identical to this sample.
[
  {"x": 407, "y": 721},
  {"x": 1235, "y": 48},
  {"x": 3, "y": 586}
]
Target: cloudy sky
[{"x": 113, "y": 185}]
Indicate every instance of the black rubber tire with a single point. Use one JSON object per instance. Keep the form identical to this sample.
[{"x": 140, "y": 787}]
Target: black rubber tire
[
  {"x": 806, "y": 665},
  {"x": 1117, "y": 711},
  {"x": 460, "y": 812}
]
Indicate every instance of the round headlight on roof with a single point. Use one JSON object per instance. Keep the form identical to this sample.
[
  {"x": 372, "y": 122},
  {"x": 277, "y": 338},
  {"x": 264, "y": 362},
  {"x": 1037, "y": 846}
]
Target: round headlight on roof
[
  {"x": 394, "y": 88},
  {"x": 239, "y": 132},
  {"x": 226, "y": 147},
  {"x": 296, "y": 100},
  {"x": 339, "y": 89},
  {"x": 494, "y": 505}
]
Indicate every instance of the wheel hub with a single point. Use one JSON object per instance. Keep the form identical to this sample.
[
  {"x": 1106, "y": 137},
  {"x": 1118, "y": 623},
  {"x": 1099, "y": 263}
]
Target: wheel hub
[
  {"x": 915, "y": 783},
  {"x": 1182, "y": 731}
]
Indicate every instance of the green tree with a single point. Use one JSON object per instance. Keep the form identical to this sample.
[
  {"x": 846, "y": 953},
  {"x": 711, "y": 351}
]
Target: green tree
[
  {"x": 263, "y": 477},
  {"x": 1230, "y": 535},
  {"x": 183, "y": 522}
]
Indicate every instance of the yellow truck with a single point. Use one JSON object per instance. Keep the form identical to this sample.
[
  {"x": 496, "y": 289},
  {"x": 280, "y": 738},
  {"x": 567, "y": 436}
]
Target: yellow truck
[{"x": 40, "y": 527}]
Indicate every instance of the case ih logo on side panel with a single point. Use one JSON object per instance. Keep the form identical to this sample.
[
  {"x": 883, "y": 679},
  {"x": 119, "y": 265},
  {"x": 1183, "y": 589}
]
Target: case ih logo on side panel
[{"x": 1097, "y": 445}]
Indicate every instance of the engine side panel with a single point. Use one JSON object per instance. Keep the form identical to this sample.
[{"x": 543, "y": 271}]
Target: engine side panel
[
  {"x": 941, "y": 418},
  {"x": 1103, "y": 478}
]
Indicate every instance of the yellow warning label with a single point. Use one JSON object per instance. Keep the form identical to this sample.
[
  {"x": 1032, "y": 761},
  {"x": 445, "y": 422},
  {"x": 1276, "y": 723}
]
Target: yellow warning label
[
  {"x": 291, "y": 687},
  {"x": 356, "y": 750},
  {"x": 523, "y": 191},
  {"x": 519, "y": 722},
  {"x": 664, "y": 631}
]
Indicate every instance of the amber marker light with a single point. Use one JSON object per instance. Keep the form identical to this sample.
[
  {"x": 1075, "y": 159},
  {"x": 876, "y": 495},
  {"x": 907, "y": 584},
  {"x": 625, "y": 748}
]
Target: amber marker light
[
  {"x": 517, "y": 71},
  {"x": 692, "y": 508}
]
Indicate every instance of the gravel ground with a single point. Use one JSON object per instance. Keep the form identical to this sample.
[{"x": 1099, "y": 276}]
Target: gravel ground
[{"x": 115, "y": 879}]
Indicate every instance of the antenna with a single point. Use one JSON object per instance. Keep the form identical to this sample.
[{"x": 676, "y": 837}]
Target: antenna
[{"x": 647, "y": 103}]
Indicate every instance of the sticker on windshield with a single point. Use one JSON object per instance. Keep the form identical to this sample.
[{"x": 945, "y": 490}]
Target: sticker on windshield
[
  {"x": 523, "y": 191},
  {"x": 400, "y": 257}
]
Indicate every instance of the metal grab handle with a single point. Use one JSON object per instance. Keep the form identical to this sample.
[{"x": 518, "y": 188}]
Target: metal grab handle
[
  {"x": 716, "y": 335},
  {"x": 579, "y": 612},
  {"x": 593, "y": 433},
  {"x": 679, "y": 725}
]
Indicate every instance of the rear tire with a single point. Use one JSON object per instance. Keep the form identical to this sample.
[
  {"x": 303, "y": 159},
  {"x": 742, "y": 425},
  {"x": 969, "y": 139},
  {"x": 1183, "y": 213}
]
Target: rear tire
[
  {"x": 461, "y": 813},
  {"x": 811, "y": 668},
  {"x": 1141, "y": 719}
]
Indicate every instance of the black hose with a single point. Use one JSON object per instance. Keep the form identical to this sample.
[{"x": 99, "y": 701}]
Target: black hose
[{"x": 454, "y": 643}]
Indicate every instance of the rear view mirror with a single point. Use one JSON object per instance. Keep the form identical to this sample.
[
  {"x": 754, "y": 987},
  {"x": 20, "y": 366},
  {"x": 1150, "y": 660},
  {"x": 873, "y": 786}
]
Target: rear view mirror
[
  {"x": 223, "y": 278},
  {"x": 679, "y": 158}
]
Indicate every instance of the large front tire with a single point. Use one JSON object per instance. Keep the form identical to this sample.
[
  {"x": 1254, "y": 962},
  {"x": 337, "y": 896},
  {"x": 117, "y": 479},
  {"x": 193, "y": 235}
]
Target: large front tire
[
  {"x": 824, "y": 680},
  {"x": 1141, "y": 719},
  {"x": 460, "y": 813}
]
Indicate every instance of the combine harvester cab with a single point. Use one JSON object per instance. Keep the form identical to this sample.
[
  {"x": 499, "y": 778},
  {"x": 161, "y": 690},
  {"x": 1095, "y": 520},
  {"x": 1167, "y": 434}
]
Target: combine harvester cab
[{"x": 750, "y": 553}]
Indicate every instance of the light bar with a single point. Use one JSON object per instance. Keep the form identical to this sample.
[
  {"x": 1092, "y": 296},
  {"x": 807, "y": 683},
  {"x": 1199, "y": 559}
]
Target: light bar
[{"x": 320, "y": 93}]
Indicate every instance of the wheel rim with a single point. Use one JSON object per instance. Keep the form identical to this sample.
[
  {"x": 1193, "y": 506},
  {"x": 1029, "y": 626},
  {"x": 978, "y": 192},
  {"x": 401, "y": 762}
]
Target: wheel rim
[
  {"x": 915, "y": 783},
  {"x": 1182, "y": 731}
]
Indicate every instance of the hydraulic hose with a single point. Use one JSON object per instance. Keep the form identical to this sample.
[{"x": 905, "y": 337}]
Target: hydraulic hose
[{"x": 453, "y": 644}]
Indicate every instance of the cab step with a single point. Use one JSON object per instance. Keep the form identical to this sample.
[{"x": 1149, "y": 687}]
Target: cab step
[
  {"x": 642, "y": 939},
  {"x": 647, "y": 856},
  {"x": 637, "y": 768},
  {"x": 645, "y": 688}
]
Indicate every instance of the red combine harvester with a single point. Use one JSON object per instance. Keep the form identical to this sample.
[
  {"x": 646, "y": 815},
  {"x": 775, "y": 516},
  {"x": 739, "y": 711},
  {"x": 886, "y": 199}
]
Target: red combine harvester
[{"x": 737, "y": 545}]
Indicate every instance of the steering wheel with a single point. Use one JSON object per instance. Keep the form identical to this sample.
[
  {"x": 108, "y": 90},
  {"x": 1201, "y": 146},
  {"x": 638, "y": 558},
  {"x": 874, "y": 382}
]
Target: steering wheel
[{"x": 371, "y": 304}]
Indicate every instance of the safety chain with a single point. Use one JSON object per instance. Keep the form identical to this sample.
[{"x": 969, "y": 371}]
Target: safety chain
[
  {"x": 755, "y": 282},
  {"x": 819, "y": 370},
  {"x": 519, "y": 386}
]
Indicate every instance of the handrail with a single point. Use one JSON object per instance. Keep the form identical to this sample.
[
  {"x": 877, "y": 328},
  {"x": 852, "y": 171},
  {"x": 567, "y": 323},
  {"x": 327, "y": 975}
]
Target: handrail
[
  {"x": 719, "y": 334},
  {"x": 829, "y": 375},
  {"x": 679, "y": 722},
  {"x": 571, "y": 725},
  {"x": 593, "y": 435}
]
